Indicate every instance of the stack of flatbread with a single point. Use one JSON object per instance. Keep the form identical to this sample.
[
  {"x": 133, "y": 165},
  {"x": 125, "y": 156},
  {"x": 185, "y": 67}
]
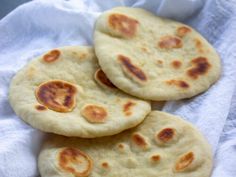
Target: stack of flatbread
[{"x": 98, "y": 100}]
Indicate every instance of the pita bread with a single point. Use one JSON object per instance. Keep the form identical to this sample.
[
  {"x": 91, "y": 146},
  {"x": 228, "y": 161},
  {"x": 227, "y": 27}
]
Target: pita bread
[
  {"x": 65, "y": 92},
  {"x": 152, "y": 57},
  {"x": 164, "y": 145}
]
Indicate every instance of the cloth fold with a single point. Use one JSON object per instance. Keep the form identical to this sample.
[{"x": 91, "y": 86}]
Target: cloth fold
[{"x": 41, "y": 25}]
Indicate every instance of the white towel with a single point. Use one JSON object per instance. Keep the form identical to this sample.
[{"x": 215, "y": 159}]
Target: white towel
[{"x": 40, "y": 25}]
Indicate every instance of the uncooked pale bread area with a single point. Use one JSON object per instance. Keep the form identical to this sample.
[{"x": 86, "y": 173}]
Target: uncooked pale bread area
[
  {"x": 164, "y": 145},
  {"x": 65, "y": 92},
  {"x": 154, "y": 58}
]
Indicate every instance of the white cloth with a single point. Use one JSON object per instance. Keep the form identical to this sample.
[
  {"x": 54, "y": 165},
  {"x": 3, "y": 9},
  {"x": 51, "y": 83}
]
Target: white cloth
[{"x": 40, "y": 25}]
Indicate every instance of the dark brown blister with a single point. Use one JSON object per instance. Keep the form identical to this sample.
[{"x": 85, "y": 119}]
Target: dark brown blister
[{"x": 57, "y": 95}]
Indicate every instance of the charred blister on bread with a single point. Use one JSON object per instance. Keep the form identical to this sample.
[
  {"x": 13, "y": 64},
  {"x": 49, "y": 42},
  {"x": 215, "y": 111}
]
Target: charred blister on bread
[
  {"x": 75, "y": 162},
  {"x": 40, "y": 108},
  {"x": 123, "y": 25},
  {"x": 57, "y": 95},
  {"x": 170, "y": 42},
  {"x": 166, "y": 136},
  {"x": 200, "y": 66},
  {"x": 140, "y": 141},
  {"x": 176, "y": 64},
  {"x": 184, "y": 161},
  {"x": 155, "y": 158},
  {"x": 179, "y": 83},
  {"x": 51, "y": 56},
  {"x": 127, "y": 108},
  {"x": 132, "y": 70},
  {"x": 94, "y": 113},
  {"x": 183, "y": 31},
  {"x": 102, "y": 79}
]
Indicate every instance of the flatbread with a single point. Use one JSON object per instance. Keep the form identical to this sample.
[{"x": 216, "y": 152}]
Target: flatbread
[
  {"x": 65, "y": 92},
  {"x": 152, "y": 57},
  {"x": 164, "y": 145}
]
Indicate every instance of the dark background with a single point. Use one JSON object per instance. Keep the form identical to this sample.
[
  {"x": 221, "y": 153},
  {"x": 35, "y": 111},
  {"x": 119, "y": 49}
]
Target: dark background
[{"x": 7, "y": 6}]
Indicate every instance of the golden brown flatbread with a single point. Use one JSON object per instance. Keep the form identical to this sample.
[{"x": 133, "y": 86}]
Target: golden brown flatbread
[
  {"x": 65, "y": 92},
  {"x": 164, "y": 145},
  {"x": 152, "y": 57}
]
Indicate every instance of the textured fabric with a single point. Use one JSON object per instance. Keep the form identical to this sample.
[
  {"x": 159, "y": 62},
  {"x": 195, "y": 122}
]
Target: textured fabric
[{"x": 41, "y": 25}]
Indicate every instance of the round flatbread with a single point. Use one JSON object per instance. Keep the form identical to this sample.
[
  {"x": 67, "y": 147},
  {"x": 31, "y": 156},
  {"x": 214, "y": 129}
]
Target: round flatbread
[
  {"x": 164, "y": 145},
  {"x": 152, "y": 57},
  {"x": 65, "y": 92}
]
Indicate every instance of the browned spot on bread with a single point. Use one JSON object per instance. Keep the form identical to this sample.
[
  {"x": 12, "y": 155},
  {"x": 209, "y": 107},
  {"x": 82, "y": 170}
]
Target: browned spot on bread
[
  {"x": 123, "y": 24},
  {"x": 144, "y": 49},
  {"x": 198, "y": 43},
  {"x": 120, "y": 146},
  {"x": 176, "y": 64},
  {"x": 166, "y": 134},
  {"x": 127, "y": 108},
  {"x": 183, "y": 84},
  {"x": 200, "y": 67},
  {"x": 199, "y": 46},
  {"x": 139, "y": 140},
  {"x": 105, "y": 165},
  {"x": 57, "y": 95},
  {"x": 75, "y": 162},
  {"x": 133, "y": 70},
  {"x": 169, "y": 42},
  {"x": 159, "y": 62},
  {"x": 182, "y": 31},
  {"x": 155, "y": 158},
  {"x": 178, "y": 83},
  {"x": 40, "y": 107},
  {"x": 51, "y": 56},
  {"x": 94, "y": 113},
  {"x": 101, "y": 78},
  {"x": 184, "y": 161},
  {"x": 83, "y": 55}
]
